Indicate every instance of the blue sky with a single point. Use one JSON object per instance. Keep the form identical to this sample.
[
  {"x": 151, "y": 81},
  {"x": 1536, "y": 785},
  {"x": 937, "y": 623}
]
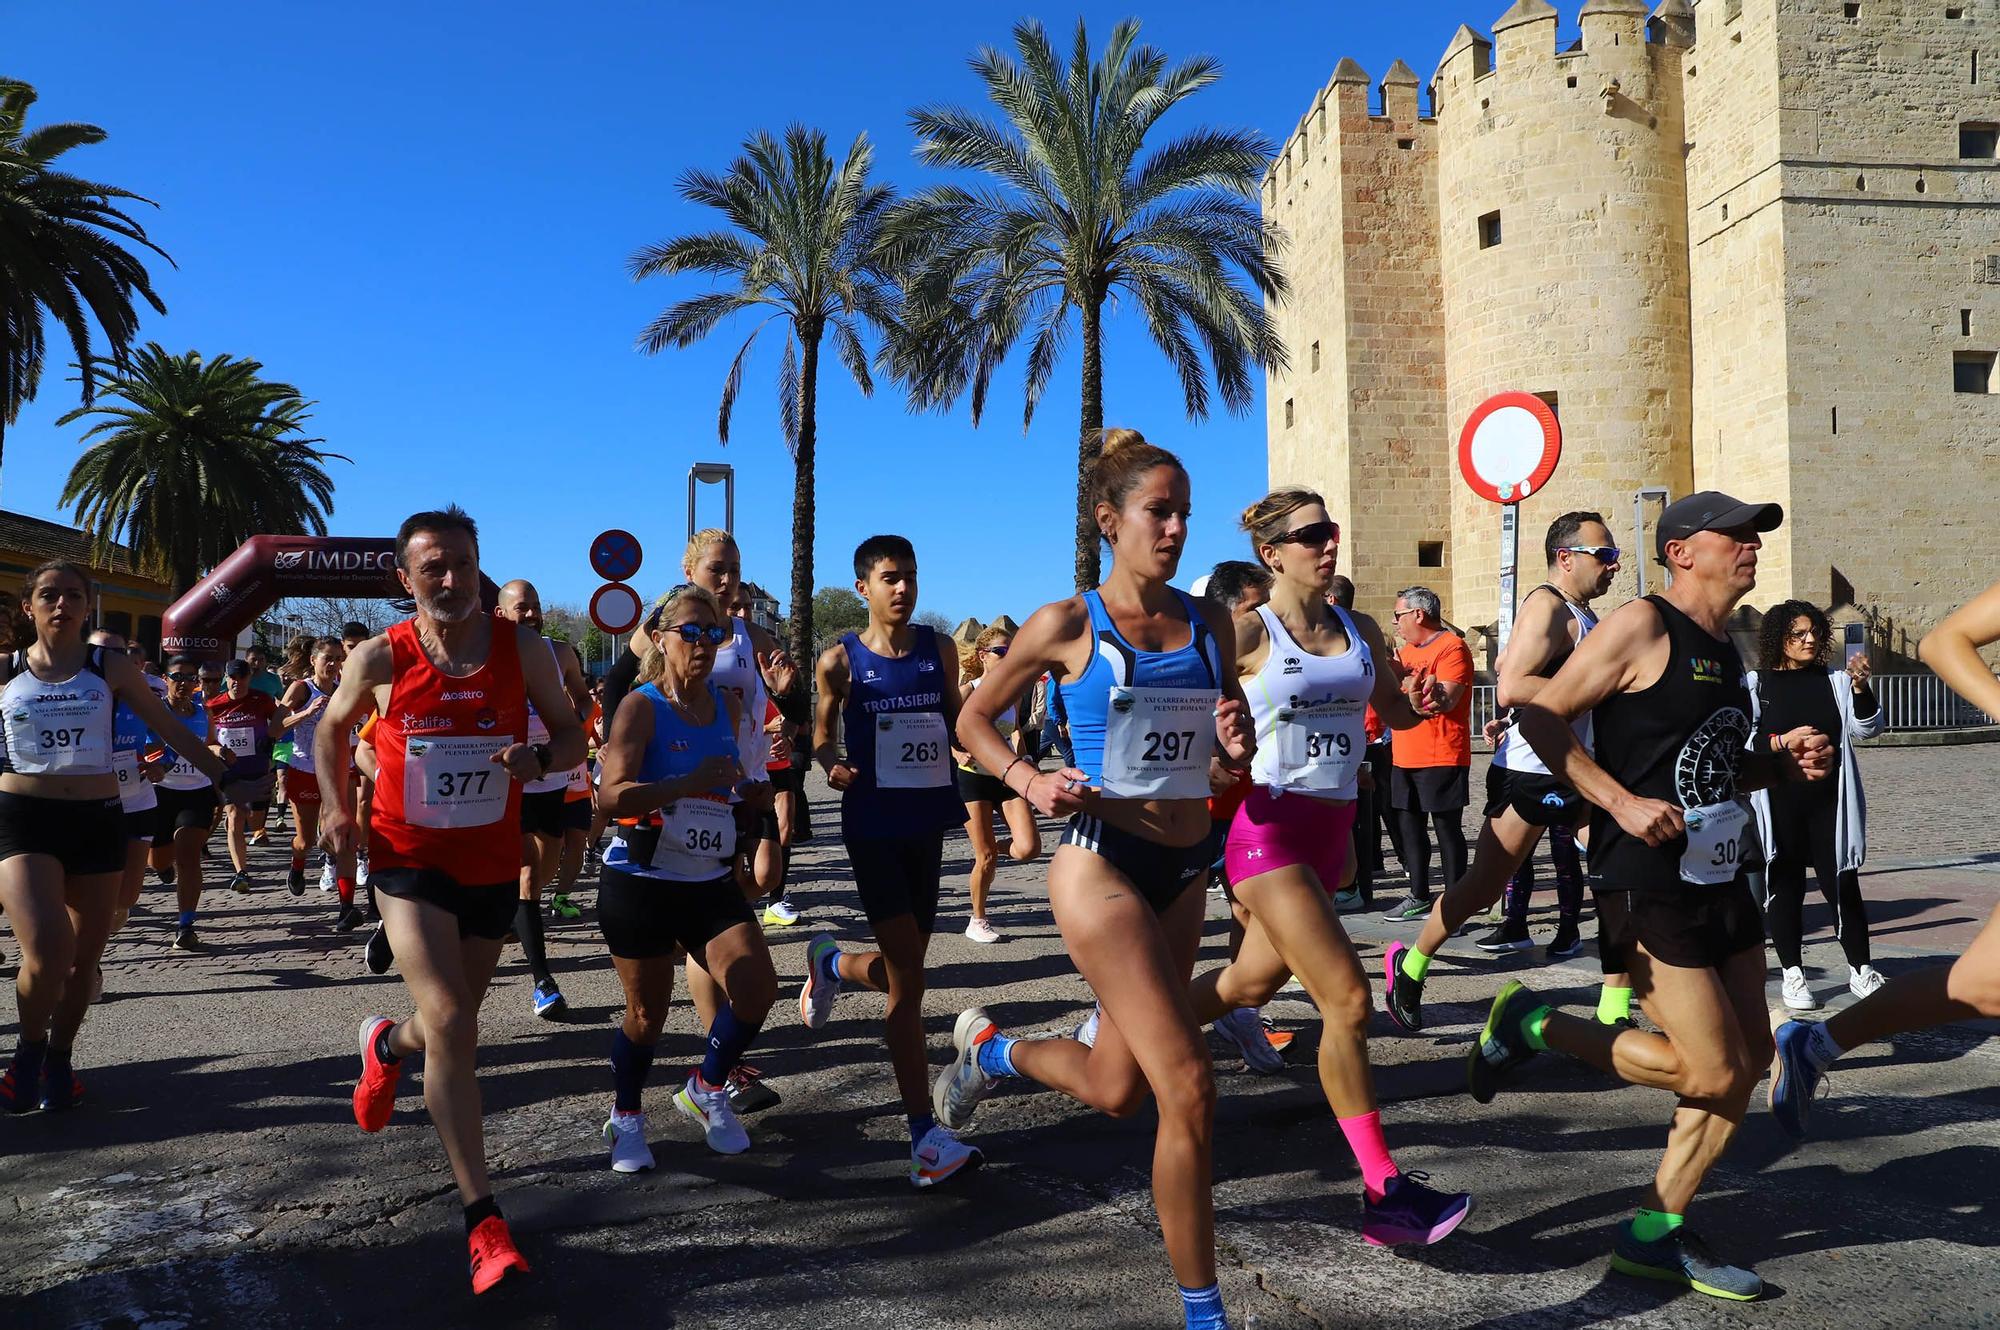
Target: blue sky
[{"x": 420, "y": 215}]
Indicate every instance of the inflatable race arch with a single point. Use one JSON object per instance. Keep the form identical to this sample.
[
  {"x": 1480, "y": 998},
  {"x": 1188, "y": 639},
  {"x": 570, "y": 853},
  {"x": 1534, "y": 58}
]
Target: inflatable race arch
[{"x": 267, "y": 569}]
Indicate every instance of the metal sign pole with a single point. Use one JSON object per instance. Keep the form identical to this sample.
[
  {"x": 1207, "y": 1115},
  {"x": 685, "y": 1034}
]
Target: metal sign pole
[{"x": 1510, "y": 548}]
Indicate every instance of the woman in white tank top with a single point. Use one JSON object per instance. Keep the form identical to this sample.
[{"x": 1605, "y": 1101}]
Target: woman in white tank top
[{"x": 1309, "y": 671}]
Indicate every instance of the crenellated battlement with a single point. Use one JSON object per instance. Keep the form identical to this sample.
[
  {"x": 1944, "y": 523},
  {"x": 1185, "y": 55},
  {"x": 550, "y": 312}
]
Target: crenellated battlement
[
  {"x": 1345, "y": 110},
  {"x": 1620, "y": 42}
]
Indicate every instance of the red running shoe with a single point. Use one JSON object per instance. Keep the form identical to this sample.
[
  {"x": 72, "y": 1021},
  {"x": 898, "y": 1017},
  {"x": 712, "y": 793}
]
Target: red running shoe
[
  {"x": 493, "y": 1253},
  {"x": 375, "y": 1092}
]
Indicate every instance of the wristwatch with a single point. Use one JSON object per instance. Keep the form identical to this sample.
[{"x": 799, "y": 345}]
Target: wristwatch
[{"x": 542, "y": 755}]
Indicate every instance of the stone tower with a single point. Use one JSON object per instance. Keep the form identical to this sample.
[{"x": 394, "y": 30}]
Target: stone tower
[
  {"x": 1750, "y": 245},
  {"x": 1844, "y": 242},
  {"x": 1563, "y": 243},
  {"x": 1358, "y": 416}
]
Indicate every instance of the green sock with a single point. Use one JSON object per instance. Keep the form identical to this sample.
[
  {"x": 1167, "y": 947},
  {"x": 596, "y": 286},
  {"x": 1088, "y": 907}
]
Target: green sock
[
  {"x": 1613, "y": 1005},
  {"x": 1531, "y": 1026},
  {"x": 1652, "y": 1225},
  {"x": 1415, "y": 965}
]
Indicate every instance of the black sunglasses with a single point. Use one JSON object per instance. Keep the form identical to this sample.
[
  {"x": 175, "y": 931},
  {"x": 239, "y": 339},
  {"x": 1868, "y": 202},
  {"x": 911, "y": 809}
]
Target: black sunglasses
[
  {"x": 1312, "y": 533},
  {"x": 715, "y": 634},
  {"x": 184, "y": 677},
  {"x": 1601, "y": 553},
  {"x": 994, "y": 651}
]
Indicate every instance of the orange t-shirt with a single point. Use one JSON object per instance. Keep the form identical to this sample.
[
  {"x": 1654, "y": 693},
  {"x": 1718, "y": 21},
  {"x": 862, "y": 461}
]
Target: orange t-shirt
[{"x": 1441, "y": 741}]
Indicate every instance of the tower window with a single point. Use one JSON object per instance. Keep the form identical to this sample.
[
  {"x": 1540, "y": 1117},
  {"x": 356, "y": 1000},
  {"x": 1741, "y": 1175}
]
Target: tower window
[
  {"x": 1288, "y": 413},
  {"x": 1965, "y": 323},
  {"x": 1835, "y": 414},
  {"x": 1430, "y": 554},
  {"x": 1572, "y": 80},
  {"x": 1554, "y": 399},
  {"x": 1954, "y": 11},
  {"x": 1852, "y": 9},
  {"x": 1406, "y": 144},
  {"x": 1972, "y": 372},
  {"x": 1489, "y": 230},
  {"x": 1861, "y": 182},
  {"x": 1315, "y": 357},
  {"x": 1978, "y": 142}
]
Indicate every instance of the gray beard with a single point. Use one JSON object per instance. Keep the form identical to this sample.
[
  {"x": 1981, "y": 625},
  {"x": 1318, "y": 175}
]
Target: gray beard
[{"x": 437, "y": 615}]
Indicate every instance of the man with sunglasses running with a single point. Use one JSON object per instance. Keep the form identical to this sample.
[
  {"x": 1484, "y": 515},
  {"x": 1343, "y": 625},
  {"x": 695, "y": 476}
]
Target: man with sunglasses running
[
  {"x": 1522, "y": 798},
  {"x": 1663, "y": 685}
]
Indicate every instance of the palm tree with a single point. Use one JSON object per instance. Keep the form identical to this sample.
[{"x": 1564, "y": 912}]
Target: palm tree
[
  {"x": 1073, "y": 215},
  {"x": 60, "y": 255},
  {"x": 801, "y": 252},
  {"x": 192, "y": 457}
]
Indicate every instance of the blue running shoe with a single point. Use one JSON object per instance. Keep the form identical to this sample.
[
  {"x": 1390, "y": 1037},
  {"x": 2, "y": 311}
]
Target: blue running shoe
[
  {"x": 1683, "y": 1258},
  {"x": 549, "y": 1003},
  {"x": 1411, "y": 1212},
  {"x": 1794, "y": 1079}
]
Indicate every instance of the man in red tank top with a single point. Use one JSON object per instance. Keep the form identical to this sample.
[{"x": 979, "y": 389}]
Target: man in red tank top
[{"x": 452, "y": 688}]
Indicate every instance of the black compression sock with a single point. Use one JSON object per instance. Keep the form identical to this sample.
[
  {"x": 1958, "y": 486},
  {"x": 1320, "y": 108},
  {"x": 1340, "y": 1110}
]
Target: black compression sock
[
  {"x": 528, "y": 928},
  {"x": 479, "y": 1212},
  {"x": 382, "y": 1050}
]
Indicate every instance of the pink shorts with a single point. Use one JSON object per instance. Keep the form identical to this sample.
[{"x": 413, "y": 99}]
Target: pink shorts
[{"x": 1273, "y": 831}]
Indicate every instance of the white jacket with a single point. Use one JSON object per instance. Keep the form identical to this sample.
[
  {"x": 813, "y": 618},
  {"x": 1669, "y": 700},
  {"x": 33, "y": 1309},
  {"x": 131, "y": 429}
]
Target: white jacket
[{"x": 1850, "y": 836}]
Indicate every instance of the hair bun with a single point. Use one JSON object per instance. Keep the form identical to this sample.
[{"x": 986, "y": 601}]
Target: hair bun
[{"x": 1114, "y": 440}]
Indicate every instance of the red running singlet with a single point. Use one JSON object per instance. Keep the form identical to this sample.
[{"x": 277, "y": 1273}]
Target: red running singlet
[{"x": 441, "y": 801}]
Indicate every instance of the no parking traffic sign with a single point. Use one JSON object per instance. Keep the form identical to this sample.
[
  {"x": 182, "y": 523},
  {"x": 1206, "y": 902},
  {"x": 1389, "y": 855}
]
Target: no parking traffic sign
[
  {"x": 615, "y": 608},
  {"x": 615, "y": 556}
]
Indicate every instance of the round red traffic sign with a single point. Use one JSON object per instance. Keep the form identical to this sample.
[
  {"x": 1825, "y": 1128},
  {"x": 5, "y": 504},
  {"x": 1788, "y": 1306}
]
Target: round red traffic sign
[
  {"x": 1509, "y": 447},
  {"x": 615, "y": 555},
  {"x": 615, "y": 608}
]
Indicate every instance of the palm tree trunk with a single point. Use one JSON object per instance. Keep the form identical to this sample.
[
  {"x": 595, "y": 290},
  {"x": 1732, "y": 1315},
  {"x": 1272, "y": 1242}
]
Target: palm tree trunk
[
  {"x": 1089, "y": 441},
  {"x": 802, "y": 505}
]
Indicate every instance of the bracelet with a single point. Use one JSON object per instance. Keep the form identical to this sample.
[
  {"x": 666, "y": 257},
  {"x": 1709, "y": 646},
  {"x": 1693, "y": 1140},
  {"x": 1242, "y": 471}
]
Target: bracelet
[{"x": 1010, "y": 771}]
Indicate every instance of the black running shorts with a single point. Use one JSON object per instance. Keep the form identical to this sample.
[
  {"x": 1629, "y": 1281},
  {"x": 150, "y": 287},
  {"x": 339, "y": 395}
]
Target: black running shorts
[
  {"x": 1430, "y": 789},
  {"x": 542, "y": 814},
  {"x": 182, "y": 810},
  {"x": 85, "y": 836},
  {"x": 1160, "y": 872},
  {"x": 647, "y": 917},
  {"x": 1694, "y": 928},
  {"x": 482, "y": 911},
  {"x": 898, "y": 875},
  {"x": 1537, "y": 799}
]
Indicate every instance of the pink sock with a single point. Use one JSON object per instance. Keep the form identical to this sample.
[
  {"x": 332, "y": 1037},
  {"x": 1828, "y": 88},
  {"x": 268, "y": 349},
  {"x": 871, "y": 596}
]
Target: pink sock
[{"x": 1364, "y": 1137}]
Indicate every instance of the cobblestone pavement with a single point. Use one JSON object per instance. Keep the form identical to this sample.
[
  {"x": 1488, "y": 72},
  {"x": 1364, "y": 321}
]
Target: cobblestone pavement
[{"x": 215, "y": 1176}]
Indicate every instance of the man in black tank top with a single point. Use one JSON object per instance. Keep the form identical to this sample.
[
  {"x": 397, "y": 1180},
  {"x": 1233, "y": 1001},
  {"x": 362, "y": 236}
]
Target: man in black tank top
[
  {"x": 1521, "y": 804},
  {"x": 1664, "y": 686}
]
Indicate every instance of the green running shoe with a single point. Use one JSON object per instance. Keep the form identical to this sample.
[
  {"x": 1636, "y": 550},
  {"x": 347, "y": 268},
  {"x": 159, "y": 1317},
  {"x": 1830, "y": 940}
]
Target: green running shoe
[
  {"x": 1683, "y": 1258},
  {"x": 562, "y": 907},
  {"x": 1502, "y": 1045}
]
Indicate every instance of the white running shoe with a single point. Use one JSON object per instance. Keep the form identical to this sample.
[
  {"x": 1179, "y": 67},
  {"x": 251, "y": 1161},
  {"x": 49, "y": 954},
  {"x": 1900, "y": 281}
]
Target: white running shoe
[
  {"x": 981, "y": 931},
  {"x": 361, "y": 870},
  {"x": 938, "y": 1156},
  {"x": 1242, "y": 1028},
  {"x": 1864, "y": 979},
  {"x": 1086, "y": 1033},
  {"x": 718, "y": 1120},
  {"x": 626, "y": 1133},
  {"x": 961, "y": 1085},
  {"x": 326, "y": 876},
  {"x": 817, "y": 995},
  {"x": 780, "y": 914},
  {"x": 1797, "y": 996}
]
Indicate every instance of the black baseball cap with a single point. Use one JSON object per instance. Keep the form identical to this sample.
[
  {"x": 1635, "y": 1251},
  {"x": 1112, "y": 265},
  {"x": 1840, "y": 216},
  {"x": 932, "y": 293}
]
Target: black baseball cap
[
  {"x": 237, "y": 669},
  {"x": 1712, "y": 510}
]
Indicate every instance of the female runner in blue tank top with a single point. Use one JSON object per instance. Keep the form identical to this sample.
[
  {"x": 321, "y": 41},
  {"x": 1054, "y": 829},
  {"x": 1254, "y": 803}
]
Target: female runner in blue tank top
[
  {"x": 1147, "y": 678},
  {"x": 671, "y": 775},
  {"x": 1309, "y": 672},
  {"x": 139, "y": 760}
]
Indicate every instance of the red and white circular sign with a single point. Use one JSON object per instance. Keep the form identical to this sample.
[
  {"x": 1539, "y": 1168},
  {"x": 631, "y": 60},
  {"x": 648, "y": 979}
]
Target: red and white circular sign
[
  {"x": 615, "y": 608},
  {"x": 1509, "y": 447}
]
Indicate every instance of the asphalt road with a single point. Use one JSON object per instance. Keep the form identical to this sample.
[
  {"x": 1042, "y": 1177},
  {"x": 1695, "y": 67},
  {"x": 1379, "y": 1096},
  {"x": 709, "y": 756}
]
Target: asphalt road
[{"x": 215, "y": 1176}]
